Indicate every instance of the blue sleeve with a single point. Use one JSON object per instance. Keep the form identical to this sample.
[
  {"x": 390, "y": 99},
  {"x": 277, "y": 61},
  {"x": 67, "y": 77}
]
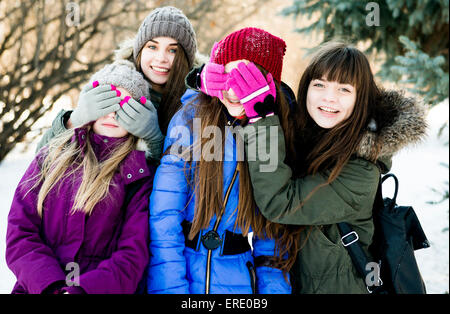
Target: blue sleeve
[
  {"x": 167, "y": 267},
  {"x": 269, "y": 280}
]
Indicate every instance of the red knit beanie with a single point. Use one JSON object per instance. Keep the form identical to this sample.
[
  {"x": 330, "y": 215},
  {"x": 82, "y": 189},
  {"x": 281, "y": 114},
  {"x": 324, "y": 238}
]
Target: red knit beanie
[{"x": 255, "y": 45}]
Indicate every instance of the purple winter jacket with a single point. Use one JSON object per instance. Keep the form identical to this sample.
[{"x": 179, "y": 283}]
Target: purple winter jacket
[{"x": 110, "y": 246}]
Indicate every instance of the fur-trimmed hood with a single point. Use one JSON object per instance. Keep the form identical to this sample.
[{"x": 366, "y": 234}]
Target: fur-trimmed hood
[
  {"x": 398, "y": 122},
  {"x": 125, "y": 51}
]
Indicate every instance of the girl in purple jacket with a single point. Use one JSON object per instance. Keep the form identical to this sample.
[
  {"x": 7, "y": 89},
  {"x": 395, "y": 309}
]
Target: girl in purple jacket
[{"x": 74, "y": 225}]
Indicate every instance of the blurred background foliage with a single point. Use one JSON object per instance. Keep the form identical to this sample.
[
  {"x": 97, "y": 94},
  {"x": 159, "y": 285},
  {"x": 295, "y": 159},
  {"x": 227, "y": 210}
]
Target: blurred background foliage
[
  {"x": 50, "y": 48},
  {"x": 408, "y": 37}
]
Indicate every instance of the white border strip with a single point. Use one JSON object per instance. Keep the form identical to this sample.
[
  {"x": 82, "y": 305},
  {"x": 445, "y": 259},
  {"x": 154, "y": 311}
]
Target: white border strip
[{"x": 255, "y": 94}]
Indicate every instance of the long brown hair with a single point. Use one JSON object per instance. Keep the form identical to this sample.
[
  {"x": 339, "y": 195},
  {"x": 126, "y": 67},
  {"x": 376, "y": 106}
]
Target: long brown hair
[
  {"x": 173, "y": 89},
  {"x": 330, "y": 149},
  {"x": 208, "y": 180}
]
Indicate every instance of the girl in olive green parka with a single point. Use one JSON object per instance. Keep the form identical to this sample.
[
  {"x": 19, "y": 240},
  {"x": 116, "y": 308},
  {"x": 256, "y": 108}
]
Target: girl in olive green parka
[{"x": 347, "y": 131}]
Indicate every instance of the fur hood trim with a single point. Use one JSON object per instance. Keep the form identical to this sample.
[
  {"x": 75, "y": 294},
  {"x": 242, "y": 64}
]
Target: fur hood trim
[
  {"x": 402, "y": 120},
  {"x": 141, "y": 145}
]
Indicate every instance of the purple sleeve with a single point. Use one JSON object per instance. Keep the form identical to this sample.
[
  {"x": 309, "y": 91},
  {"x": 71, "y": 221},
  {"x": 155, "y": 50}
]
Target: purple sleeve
[{"x": 30, "y": 259}]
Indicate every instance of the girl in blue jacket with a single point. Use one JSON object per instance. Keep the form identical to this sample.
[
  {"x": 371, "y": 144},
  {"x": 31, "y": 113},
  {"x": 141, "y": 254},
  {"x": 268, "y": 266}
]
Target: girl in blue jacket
[{"x": 201, "y": 207}]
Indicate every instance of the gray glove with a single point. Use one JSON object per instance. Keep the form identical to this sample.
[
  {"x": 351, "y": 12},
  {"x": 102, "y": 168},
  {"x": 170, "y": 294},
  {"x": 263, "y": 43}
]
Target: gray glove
[
  {"x": 94, "y": 103},
  {"x": 141, "y": 120}
]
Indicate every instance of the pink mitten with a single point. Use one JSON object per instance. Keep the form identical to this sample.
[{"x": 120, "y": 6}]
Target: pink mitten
[
  {"x": 250, "y": 85},
  {"x": 213, "y": 77}
]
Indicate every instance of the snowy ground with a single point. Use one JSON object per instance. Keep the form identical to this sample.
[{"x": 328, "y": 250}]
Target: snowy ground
[{"x": 418, "y": 169}]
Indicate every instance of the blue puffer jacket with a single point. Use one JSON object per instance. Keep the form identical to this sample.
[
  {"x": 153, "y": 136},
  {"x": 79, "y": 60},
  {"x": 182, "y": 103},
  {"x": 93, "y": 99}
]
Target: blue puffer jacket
[{"x": 175, "y": 268}]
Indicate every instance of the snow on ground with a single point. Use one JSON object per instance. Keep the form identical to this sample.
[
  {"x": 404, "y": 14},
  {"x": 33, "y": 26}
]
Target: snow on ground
[{"x": 418, "y": 169}]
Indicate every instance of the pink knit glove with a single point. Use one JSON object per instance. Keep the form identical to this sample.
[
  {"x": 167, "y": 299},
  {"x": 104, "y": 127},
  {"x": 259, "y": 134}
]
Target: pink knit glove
[
  {"x": 213, "y": 77},
  {"x": 250, "y": 85}
]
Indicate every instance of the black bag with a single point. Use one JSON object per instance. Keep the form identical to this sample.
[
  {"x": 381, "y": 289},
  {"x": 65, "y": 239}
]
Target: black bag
[{"x": 397, "y": 235}]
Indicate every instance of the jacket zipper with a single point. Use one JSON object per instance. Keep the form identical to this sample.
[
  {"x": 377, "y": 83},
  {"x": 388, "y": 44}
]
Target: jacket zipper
[{"x": 216, "y": 226}]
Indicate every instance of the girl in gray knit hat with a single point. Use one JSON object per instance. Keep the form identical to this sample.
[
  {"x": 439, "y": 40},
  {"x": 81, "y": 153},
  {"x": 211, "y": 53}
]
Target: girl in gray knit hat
[{"x": 163, "y": 50}]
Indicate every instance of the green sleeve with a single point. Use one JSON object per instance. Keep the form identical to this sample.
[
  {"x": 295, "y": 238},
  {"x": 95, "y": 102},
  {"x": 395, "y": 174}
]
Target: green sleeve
[
  {"x": 385, "y": 164},
  {"x": 57, "y": 128},
  {"x": 282, "y": 199}
]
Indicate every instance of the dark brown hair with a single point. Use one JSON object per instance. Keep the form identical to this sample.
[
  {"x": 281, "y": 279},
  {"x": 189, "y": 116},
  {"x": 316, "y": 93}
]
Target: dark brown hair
[{"x": 330, "y": 149}]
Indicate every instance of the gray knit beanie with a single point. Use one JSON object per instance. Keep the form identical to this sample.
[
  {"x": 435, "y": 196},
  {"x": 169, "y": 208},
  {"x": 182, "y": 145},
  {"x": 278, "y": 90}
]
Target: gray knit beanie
[
  {"x": 167, "y": 22},
  {"x": 122, "y": 73}
]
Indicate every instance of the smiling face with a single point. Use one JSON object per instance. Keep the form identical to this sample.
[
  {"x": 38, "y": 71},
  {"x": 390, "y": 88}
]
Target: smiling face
[
  {"x": 107, "y": 125},
  {"x": 157, "y": 57},
  {"x": 230, "y": 100},
  {"x": 329, "y": 103}
]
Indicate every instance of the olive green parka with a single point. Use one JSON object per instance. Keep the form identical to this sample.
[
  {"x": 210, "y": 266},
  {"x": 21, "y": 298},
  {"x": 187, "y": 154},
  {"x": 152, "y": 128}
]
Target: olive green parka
[{"x": 323, "y": 264}]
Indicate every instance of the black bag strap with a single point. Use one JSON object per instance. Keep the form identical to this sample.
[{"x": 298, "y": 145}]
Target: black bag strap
[
  {"x": 387, "y": 176},
  {"x": 350, "y": 238}
]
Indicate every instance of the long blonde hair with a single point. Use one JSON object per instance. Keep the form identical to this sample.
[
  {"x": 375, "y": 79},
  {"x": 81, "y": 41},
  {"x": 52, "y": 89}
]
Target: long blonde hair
[{"x": 66, "y": 158}]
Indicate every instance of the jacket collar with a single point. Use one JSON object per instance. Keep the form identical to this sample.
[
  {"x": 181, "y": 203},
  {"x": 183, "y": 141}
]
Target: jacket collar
[
  {"x": 133, "y": 167},
  {"x": 232, "y": 121},
  {"x": 102, "y": 145}
]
